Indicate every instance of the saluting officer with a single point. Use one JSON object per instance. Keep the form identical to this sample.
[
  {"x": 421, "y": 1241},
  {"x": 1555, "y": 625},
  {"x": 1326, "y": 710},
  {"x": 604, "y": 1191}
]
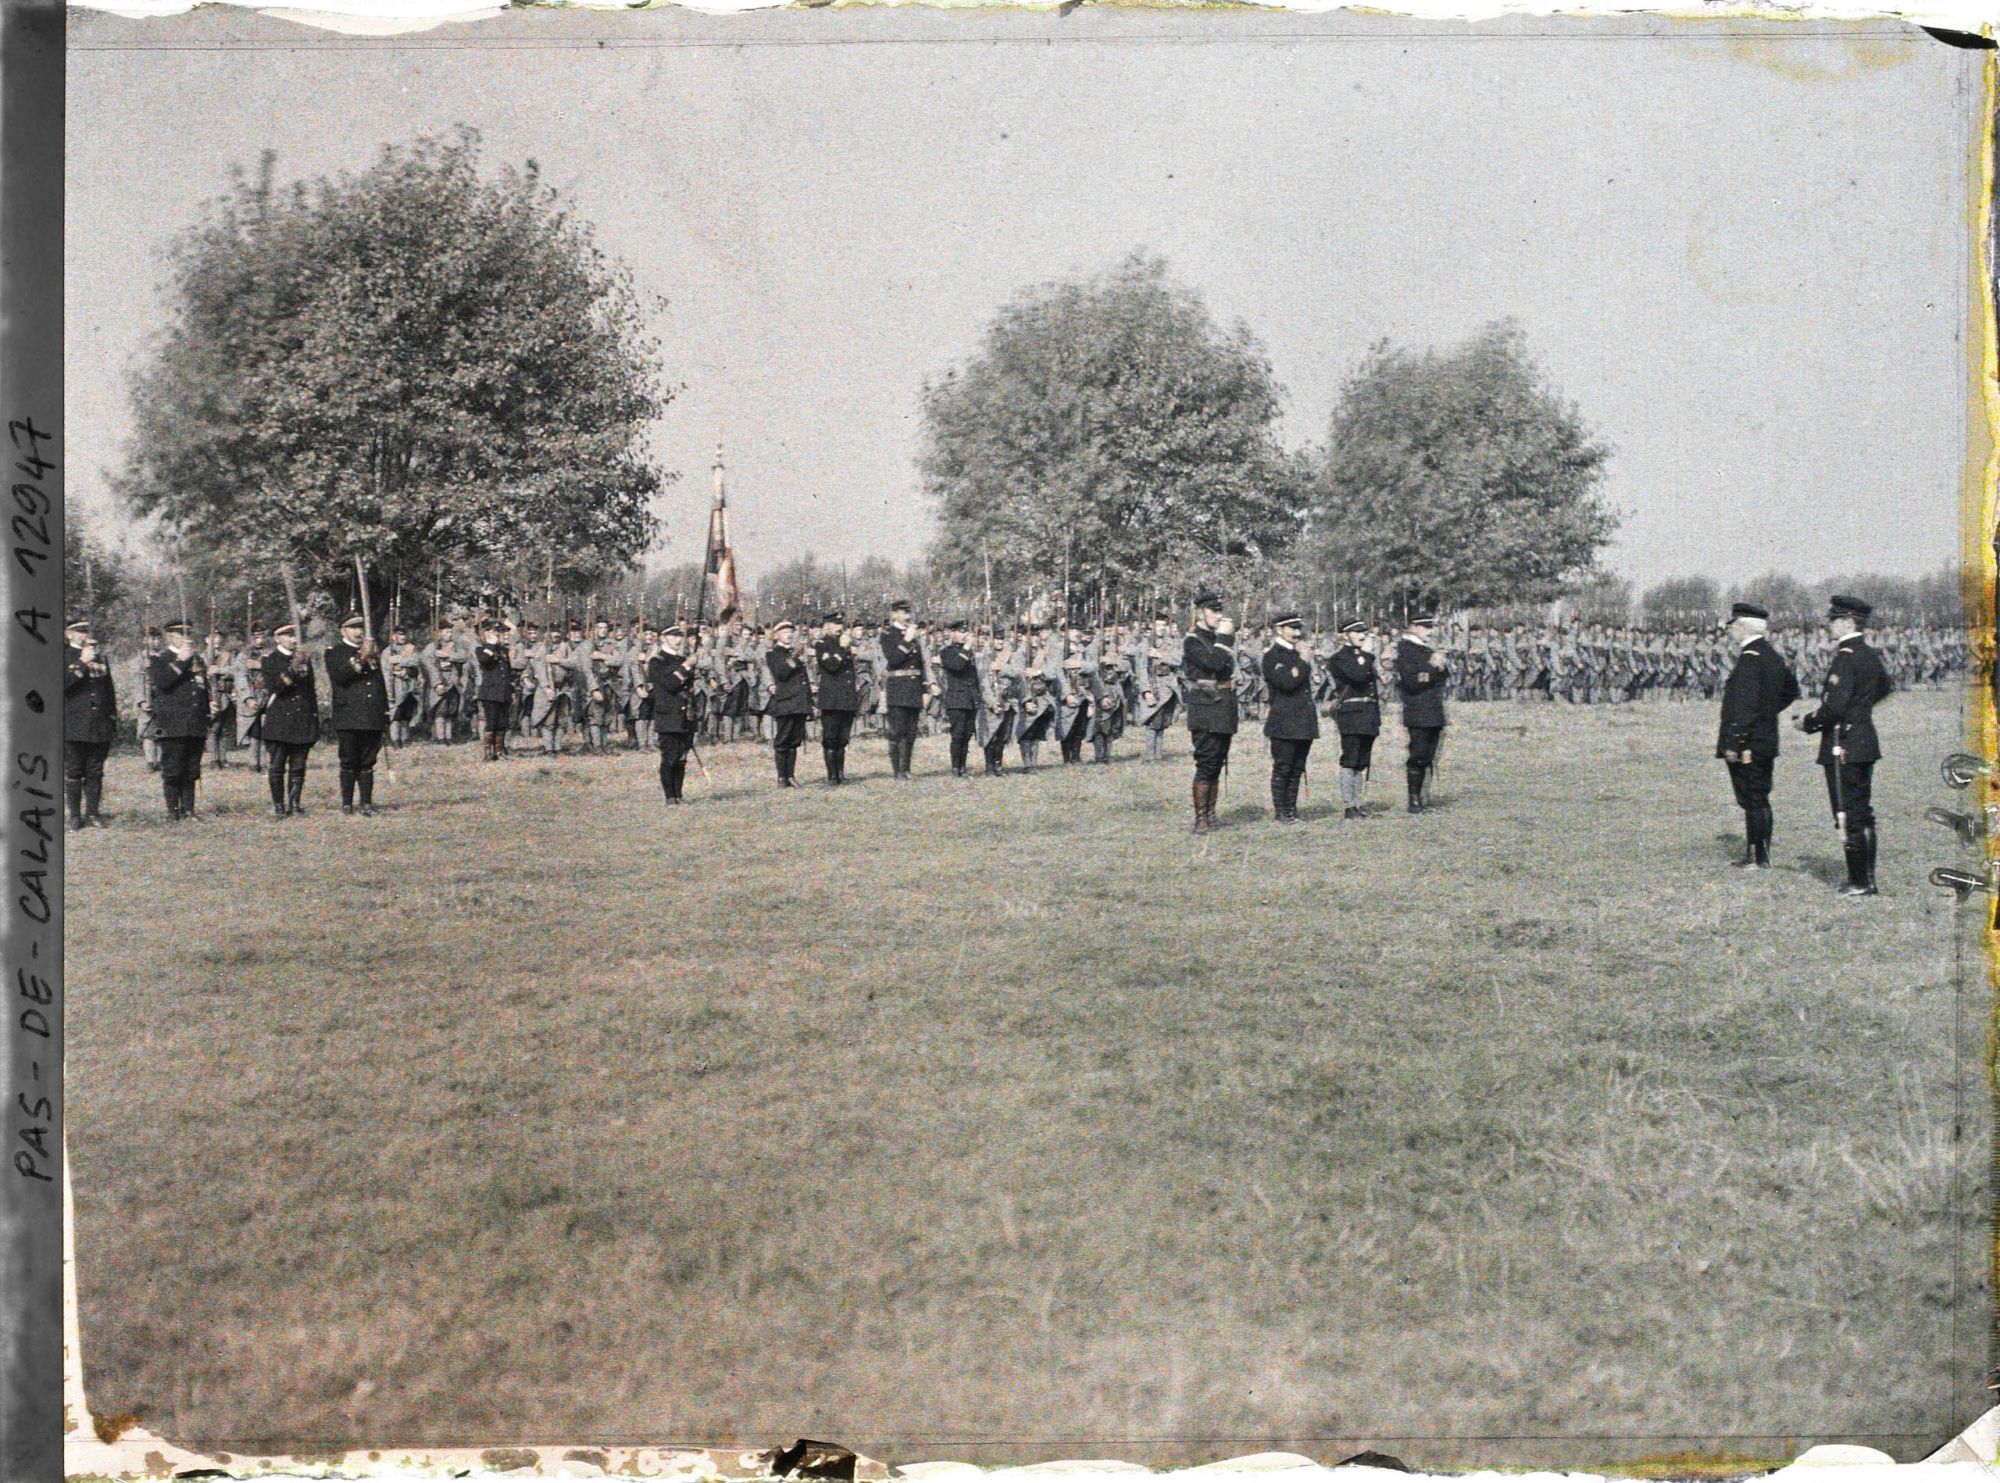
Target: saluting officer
[
  {"x": 1357, "y": 713},
  {"x": 291, "y": 719},
  {"x": 839, "y": 693},
  {"x": 360, "y": 710},
  {"x": 1757, "y": 692},
  {"x": 1208, "y": 660},
  {"x": 671, "y": 674},
  {"x": 179, "y": 682},
  {"x": 90, "y": 724},
  {"x": 495, "y": 692},
  {"x": 1291, "y": 721},
  {"x": 1856, "y": 682},
  {"x": 791, "y": 699},
  {"x": 1421, "y": 673},
  {"x": 960, "y": 693},
  {"x": 903, "y": 687}
]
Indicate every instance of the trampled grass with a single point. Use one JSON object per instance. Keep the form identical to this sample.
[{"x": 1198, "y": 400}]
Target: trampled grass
[{"x": 1004, "y": 1111}]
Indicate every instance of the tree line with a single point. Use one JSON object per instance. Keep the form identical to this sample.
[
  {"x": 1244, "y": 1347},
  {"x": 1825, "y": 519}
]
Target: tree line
[{"x": 433, "y": 365}]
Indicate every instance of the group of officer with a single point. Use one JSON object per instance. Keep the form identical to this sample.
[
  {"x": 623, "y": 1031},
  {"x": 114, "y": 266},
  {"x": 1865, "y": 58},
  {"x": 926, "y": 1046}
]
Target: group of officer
[
  {"x": 982, "y": 691},
  {"x": 1761, "y": 687}
]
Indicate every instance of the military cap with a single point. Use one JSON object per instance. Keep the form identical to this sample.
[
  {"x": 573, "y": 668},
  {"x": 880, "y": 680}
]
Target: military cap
[
  {"x": 175, "y": 627},
  {"x": 1208, "y": 600},
  {"x": 1286, "y": 619},
  {"x": 783, "y": 623},
  {"x": 1354, "y": 625},
  {"x": 1848, "y": 607},
  {"x": 1423, "y": 620},
  {"x": 958, "y": 622},
  {"x": 1748, "y": 610},
  {"x": 285, "y": 628},
  {"x": 835, "y": 617},
  {"x": 900, "y": 605},
  {"x": 77, "y": 625},
  {"x": 353, "y": 620}
]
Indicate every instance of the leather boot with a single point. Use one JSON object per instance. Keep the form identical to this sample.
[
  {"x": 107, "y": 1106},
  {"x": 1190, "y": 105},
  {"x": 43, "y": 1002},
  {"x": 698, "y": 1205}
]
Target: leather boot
[
  {"x": 1201, "y": 821},
  {"x": 1415, "y": 775},
  {"x": 277, "y": 778},
  {"x": 1860, "y": 850},
  {"x": 295, "y": 787},
  {"x": 73, "y": 796}
]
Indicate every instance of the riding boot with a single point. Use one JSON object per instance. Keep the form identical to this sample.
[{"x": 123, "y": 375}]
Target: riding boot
[
  {"x": 365, "y": 785},
  {"x": 73, "y": 796},
  {"x": 277, "y": 776},
  {"x": 1764, "y": 822},
  {"x": 295, "y": 787},
  {"x": 1868, "y": 846},
  {"x": 93, "y": 795},
  {"x": 1278, "y": 785},
  {"x": 346, "y": 791},
  {"x": 1414, "y": 772},
  {"x": 1201, "y": 820}
]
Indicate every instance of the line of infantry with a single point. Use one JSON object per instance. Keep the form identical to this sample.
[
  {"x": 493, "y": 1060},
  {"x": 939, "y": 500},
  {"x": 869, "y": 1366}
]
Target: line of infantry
[{"x": 672, "y": 688}]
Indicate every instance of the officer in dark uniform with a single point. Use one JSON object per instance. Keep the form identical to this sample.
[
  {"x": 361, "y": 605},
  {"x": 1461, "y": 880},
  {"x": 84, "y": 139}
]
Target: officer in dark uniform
[
  {"x": 179, "y": 682},
  {"x": 1208, "y": 663},
  {"x": 1856, "y": 682},
  {"x": 291, "y": 719},
  {"x": 1291, "y": 721},
  {"x": 1758, "y": 689},
  {"x": 671, "y": 675},
  {"x": 1357, "y": 713},
  {"x": 903, "y": 686},
  {"x": 839, "y": 693},
  {"x": 1421, "y": 673},
  {"x": 90, "y": 724},
  {"x": 960, "y": 693},
  {"x": 360, "y": 711},
  {"x": 791, "y": 702},
  {"x": 495, "y": 692}
]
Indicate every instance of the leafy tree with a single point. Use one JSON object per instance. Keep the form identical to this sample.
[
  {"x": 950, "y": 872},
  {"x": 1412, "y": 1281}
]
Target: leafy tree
[
  {"x": 1106, "y": 437},
  {"x": 1458, "y": 477},
  {"x": 429, "y": 366},
  {"x": 1682, "y": 601}
]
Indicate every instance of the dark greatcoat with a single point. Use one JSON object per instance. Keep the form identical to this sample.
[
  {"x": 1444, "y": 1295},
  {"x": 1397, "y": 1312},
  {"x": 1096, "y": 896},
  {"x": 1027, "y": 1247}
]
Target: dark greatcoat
[
  {"x": 1422, "y": 687},
  {"x": 1357, "y": 692},
  {"x": 1209, "y": 663},
  {"x": 1757, "y": 692},
  {"x": 838, "y": 690},
  {"x": 360, "y": 694},
  {"x": 90, "y": 700},
  {"x": 1856, "y": 682},
  {"x": 180, "y": 695},
  {"x": 291, "y": 715},
  {"x": 791, "y": 686},
  {"x": 1291, "y": 715}
]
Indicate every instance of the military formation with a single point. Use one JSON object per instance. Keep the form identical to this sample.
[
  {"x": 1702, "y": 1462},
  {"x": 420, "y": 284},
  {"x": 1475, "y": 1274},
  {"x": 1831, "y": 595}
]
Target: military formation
[{"x": 517, "y": 688}]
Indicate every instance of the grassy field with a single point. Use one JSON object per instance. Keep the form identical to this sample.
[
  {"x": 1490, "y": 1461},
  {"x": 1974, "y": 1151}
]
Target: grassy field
[{"x": 1004, "y": 1111}]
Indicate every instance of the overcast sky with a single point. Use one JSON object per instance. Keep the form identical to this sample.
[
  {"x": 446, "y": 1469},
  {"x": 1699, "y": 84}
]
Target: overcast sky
[{"x": 1745, "y": 259}]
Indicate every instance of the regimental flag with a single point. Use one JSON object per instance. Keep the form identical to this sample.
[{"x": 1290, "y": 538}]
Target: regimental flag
[{"x": 720, "y": 563}]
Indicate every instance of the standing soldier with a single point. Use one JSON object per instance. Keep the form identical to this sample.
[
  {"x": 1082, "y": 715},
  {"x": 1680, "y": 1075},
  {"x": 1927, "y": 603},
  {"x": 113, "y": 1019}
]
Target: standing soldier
[
  {"x": 179, "y": 682},
  {"x": 903, "y": 686},
  {"x": 839, "y": 693},
  {"x": 1755, "y": 695},
  {"x": 1108, "y": 707},
  {"x": 495, "y": 659},
  {"x": 404, "y": 667},
  {"x": 291, "y": 719},
  {"x": 960, "y": 693},
  {"x": 1072, "y": 711},
  {"x": 1208, "y": 659},
  {"x": 1159, "y": 688},
  {"x": 791, "y": 700},
  {"x": 444, "y": 685},
  {"x": 90, "y": 724},
  {"x": 670, "y": 674},
  {"x": 360, "y": 711},
  {"x": 221, "y": 703},
  {"x": 1856, "y": 682},
  {"x": 1292, "y": 721},
  {"x": 149, "y": 734},
  {"x": 1420, "y": 676},
  {"x": 1357, "y": 713}
]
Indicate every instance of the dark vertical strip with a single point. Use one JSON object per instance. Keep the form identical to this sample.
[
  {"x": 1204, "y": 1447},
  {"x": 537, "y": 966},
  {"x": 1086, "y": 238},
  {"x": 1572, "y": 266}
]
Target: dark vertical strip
[{"x": 31, "y": 350}]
